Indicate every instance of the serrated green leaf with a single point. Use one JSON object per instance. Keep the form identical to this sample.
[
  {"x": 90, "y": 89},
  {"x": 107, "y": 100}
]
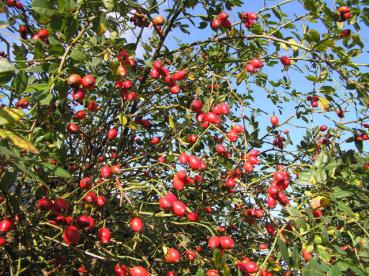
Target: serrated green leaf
[{"x": 43, "y": 7}]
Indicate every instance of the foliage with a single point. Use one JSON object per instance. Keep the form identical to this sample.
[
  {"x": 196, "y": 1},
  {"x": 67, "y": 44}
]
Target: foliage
[{"x": 49, "y": 146}]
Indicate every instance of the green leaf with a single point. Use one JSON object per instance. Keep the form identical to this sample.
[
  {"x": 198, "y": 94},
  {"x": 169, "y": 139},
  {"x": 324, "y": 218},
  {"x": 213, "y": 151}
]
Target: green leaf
[
  {"x": 8, "y": 180},
  {"x": 109, "y": 4},
  {"x": 70, "y": 27},
  {"x": 43, "y": 7},
  {"x": 10, "y": 115},
  {"x": 46, "y": 100},
  {"x": 296, "y": 256},
  {"x": 203, "y": 25},
  {"x": 313, "y": 36},
  {"x": 20, "y": 82},
  {"x": 67, "y": 5},
  {"x": 6, "y": 70},
  {"x": 334, "y": 270},
  {"x": 326, "y": 89},
  {"x": 217, "y": 257},
  {"x": 284, "y": 250},
  {"x": 339, "y": 193},
  {"x": 78, "y": 54},
  {"x": 200, "y": 272},
  {"x": 57, "y": 171}
]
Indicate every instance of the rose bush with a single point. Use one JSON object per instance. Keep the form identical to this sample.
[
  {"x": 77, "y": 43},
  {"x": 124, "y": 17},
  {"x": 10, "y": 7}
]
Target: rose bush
[{"x": 240, "y": 149}]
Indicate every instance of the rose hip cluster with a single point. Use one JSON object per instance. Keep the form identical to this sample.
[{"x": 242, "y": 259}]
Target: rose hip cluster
[
  {"x": 252, "y": 159},
  {"x": 221, "y": 21},
  {"x": 6, "y": 225},
  {"x": 281, "y": 181},
  {"x": 14, "y": 4},
  {"x": 344, "y": 13},
  {"x": 223, "y": 242},
  {"x": 126, "y": 93},
  {"x": 170, "y": 201},
  {"x": 314, "y": 100},
  {"x": 249, "y": 19},
  {"x": 180, "y": 179},
  {"x": 211, "y": 117},
  {"x": 254, "y": 65},
  {"x": 159, "y": 71}
]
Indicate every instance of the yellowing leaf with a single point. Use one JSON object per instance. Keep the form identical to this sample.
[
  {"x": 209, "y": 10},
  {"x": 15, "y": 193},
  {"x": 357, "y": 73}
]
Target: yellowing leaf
[
  {"x": 123, "y": 119},
  {"x": 183, "y": 143},
  {"x": 107, "y": 56},
  {"x": 319, "y": 202},
  {"x": 198, "y": 91},
  {"x": 324, "y": 103},
  {"x": 293, "y": 44},
  {"x": 10, "y": 115},
  {"x": 18, "y": 141},
  {"x": 171, "y": 122},
  {"x": 284, "y": 46},
  {"x": 132, "y": 126},
  {"x": 191, "y": 77}
]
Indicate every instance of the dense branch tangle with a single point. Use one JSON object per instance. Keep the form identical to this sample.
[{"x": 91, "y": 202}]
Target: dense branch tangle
[{"x": 119, "y": 160}]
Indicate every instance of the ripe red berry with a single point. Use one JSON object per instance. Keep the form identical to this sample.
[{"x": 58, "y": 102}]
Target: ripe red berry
[
  {"x": 226, "y": 242},
  {"x": 232, "y": 136},
  {"x": 136, "y": 224},
  {"x": 251, "y": 267},
  {"x": 2, "y": 241},
  {"x": 285, "y": 61},
  {"x": 11, "y": 3},
  {"x": 6, "y": 225},
  {"x": 179, "y": 182},
  {"x": 192, "y": 138},
  {"x": 155, "y": 140},
  {"x": 343, "y": 9},
  {"x": 192, "y": 216},
  {"x": 195, "y": 163},
  {"x": 44, "y": 204},
  {"x": 154, "y": 73},
  {"x": 74, "y": 80},
  {"x": 43, "y": 33},
  {"x": 215, "y": 24},
  {"x": 72, "y": 128},
  {"x": 220, "y": 149},
  {"x": 80, "y": 115},
  {"x": 104, "y": 235},
  {"x": 214, "y": 242},
  {"x": 230, "y": 183},
  {"x": 106, "y": 172},
  {"x": 178, "y": 208},
  {"x": 112, "y": 133},
  {"x": 90, "y": 197},
  {"x": 196, "y": 106},
  {"x": 323, "y": 128},
  {"x": 173, "y": 256},
  {"x": 183, "y": 158},
  {"x": 138, "y": 271},
  {"x": 85, "y": 183},
  {"x": 179, "y": 75},
  {"x": 101, "y": 201},
  {"x": 222, "y": 15},
  {"x": 71, "y": 235},
  {"x": 250, "y": 68},
  {"x": 60, "y": 205},
  {"x": 88, "y": 82},
  {"x": 157, "y": 64},
  {"x": 121, "y": 270},
  {"x": 274, "y": 120}
]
